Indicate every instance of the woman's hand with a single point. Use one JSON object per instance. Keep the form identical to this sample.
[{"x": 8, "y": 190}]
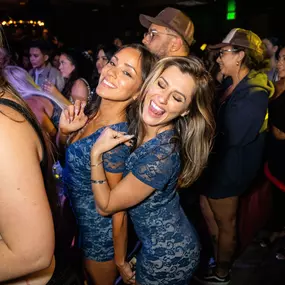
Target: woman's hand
[
  {"x": 72, "y": 118},
  {"x": 126, "y": 273},
  {"x": 49, "y": 88},
  {"x": 108, "y": 140}
]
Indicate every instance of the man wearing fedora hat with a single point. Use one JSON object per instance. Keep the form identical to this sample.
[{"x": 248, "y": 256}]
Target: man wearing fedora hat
[{"x": 170, "y": 33}]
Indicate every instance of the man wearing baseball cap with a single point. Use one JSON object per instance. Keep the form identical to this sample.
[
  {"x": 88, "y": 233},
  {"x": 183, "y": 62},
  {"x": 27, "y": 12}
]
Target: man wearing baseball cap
[{"x": 170, "y": 33}]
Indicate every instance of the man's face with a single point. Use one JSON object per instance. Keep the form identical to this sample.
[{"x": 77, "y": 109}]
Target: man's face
[
  {"x": 37, "y": 58},
  {"x": 158, "y": 40}
]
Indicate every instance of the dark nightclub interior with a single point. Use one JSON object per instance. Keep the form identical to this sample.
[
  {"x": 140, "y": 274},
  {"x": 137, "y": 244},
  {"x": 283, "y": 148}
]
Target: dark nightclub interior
[
  {"x": 183, "y": 129},
  {"x": 87, "y": 22}
]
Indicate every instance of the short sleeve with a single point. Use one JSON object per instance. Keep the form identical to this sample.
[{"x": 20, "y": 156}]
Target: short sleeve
[
  {"x": 114, "y": 160},
  {"x": 158, "y": 166}
]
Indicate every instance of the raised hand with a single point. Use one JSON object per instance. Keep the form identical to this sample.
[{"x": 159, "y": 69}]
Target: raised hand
[
  {"x": 73, "y": 118},
  {"x": 108, "y": 140},
  {"x": 49, "y": 87}
]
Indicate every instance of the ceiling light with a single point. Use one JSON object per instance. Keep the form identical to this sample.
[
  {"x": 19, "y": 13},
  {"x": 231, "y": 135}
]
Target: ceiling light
[{"x": 192, "y": 2}]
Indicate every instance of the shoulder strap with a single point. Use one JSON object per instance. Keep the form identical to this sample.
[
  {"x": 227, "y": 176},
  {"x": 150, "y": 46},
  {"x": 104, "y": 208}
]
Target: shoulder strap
[{"x": 23, "y": 111}]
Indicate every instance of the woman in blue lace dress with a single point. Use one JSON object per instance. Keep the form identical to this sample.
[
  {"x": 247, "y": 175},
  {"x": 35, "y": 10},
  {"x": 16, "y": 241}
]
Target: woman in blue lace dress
[
  {"x": 119, "y": 85},
  {"x": 173, "y": 127}
]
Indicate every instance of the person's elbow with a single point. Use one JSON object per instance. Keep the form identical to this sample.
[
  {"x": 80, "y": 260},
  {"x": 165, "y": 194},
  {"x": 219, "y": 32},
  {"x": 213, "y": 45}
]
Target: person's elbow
[
  {"x": 39, "y": 257},
  {"x": 103, "y": 212}
]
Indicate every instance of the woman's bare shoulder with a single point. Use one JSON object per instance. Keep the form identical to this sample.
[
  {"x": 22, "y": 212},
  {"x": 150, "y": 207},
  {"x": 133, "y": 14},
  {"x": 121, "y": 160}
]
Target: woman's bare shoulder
[{"x": 14, "y": 126}]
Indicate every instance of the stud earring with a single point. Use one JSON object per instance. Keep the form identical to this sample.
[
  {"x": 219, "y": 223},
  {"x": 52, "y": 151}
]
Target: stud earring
[{"x": 237, "y": 63}]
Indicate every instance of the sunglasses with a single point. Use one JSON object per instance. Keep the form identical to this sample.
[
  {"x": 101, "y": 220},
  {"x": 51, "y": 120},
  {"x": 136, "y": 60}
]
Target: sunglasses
[{"x": 222, "y": 51}]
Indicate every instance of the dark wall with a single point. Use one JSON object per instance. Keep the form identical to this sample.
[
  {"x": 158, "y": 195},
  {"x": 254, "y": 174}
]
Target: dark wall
[{"x": 77, "y": 25}]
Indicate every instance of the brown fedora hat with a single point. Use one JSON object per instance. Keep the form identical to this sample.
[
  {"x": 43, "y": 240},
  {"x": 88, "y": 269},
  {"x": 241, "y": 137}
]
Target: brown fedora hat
[{"x": 173, "y": 19}]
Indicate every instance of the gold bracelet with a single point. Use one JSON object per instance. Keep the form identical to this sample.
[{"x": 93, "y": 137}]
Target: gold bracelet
[
  {"x": 99, "y": 181},
  {"x": 97, "y": 164}
]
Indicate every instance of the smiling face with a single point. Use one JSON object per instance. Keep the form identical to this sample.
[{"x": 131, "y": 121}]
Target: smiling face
[
  {"x": 227, "y": 60},
  {"x": 168, "y": 97},
  {"x": 281, "y": 64},
  {"x": 121, "y": 78}
]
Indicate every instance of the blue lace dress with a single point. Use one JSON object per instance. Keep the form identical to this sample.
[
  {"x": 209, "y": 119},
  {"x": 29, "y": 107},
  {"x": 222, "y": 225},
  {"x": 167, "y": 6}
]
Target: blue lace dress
[
  {"x": 95, "y": 230},
  {"x": 56, "y": 115},
  {"x": 170, "y": 249}
]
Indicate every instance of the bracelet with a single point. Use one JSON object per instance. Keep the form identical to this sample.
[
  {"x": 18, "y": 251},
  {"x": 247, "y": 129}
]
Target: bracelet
[
  {"x": 98, "y": 181},
  {"x": 97, "y": 164}
]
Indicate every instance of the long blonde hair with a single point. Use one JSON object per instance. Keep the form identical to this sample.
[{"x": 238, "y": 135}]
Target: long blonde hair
[{"x": 195, "y": 131}]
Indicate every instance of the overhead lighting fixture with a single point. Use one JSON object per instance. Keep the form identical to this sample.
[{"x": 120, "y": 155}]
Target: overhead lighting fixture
[
  {"x": 190, "y": 3},
  {"x": 21, "y": 22}
]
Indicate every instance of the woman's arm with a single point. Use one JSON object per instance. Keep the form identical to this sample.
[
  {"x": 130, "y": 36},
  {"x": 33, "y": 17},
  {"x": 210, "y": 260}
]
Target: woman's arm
[
  {"x": 122, "y": 196},
  {"x": 120, "y": 233},
  {"x": 119, "y": 223},
  {"x": 26, "y": 224},
  {"x": 279, "y": 135},
  {"x": 150, "y": 173},
  {"x": 79, "y": 91},
  {"x": 42, "y": 108}
]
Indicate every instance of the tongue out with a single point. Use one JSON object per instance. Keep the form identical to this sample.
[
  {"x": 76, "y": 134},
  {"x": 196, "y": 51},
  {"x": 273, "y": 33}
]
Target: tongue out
[{"x": 155, "y": 110}]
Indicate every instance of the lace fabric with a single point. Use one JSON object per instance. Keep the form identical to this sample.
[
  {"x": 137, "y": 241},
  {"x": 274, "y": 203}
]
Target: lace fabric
[
  {"x": 170, "y": 248},
  {"x": 95, "y": 230}
]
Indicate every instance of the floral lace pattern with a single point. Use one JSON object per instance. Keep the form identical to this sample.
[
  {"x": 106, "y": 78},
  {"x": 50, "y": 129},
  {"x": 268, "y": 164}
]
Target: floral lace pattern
[
  {"x": 170, "y": 248},
  {"x": 56, "y": 115},
  {"x": 95, "y": 230}
]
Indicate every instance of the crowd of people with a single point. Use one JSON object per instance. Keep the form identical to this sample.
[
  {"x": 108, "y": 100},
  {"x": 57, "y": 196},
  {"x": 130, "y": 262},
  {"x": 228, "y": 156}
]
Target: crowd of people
[{"x": 93, "y": 145}]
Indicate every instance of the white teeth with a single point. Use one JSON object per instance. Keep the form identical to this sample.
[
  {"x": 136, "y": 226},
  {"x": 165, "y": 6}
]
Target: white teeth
[
  {"x": 108, "y": 83},
  {"x": 156, "y": 107}
]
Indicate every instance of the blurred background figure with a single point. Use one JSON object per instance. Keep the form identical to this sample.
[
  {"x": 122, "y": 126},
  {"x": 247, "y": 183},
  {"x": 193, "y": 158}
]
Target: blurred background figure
[
  {"x": 42, "y": 69},
  {"x": 76, "y": 69},
  {"x": 271, "y": 51}
]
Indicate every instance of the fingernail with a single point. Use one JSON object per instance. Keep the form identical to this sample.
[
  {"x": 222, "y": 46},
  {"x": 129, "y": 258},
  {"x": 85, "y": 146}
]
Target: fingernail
[{"x": 129, "y": 136}]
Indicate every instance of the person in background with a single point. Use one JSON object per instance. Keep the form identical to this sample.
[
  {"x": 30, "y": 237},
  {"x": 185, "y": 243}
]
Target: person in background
[
  {"x": 119, "y": 85},
  {"x": 76, "y": 69},
  {"x": 42, "y": 70},
  {"x": 274, "y": 167},
  {"x": 46, "y": 107},
  {"x": 25, "y": 61},
  {"x": 271, "y": 47},
  {"x": 170, "y": 33},
  {"x": 239, "y": 144},
  {"x": 103, "y": 55},
  {"x": 55, "y": 59},
  {"x": 118, "y": 42}
]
